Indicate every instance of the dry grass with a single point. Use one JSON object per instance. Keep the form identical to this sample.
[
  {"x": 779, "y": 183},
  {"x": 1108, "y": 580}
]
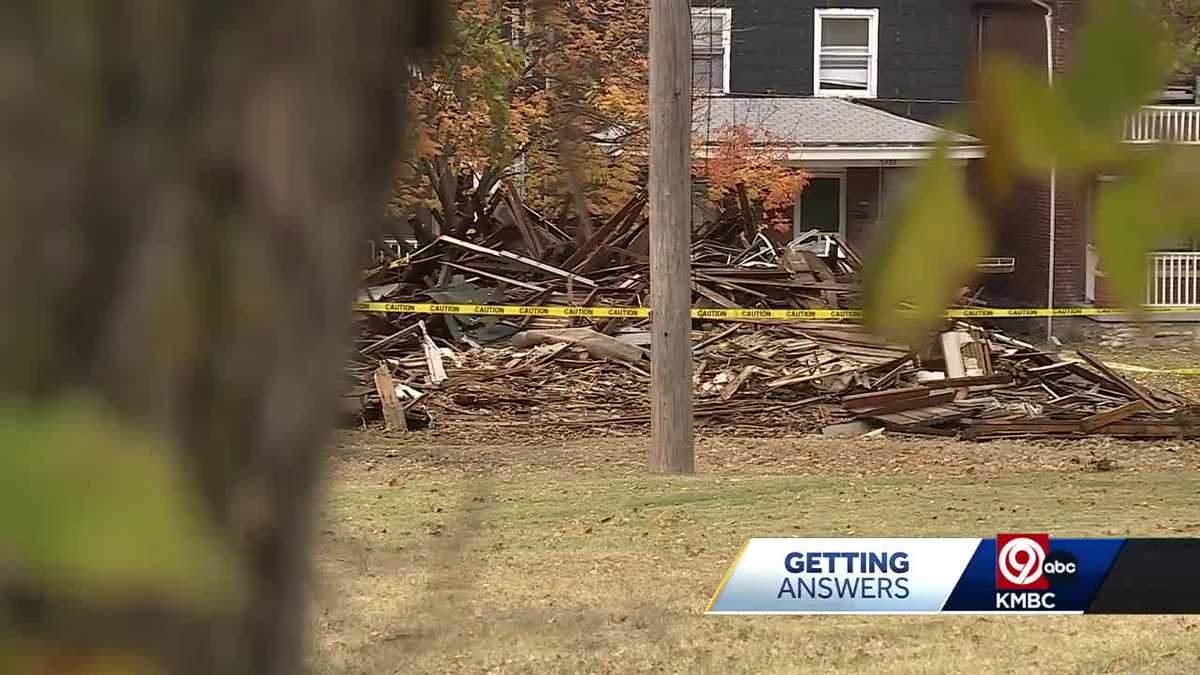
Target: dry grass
[
  {"x": 552, "y": 573},
  {"x": 473, "y": 552}
]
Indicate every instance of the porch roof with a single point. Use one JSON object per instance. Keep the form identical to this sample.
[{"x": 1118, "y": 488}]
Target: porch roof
[{"x": 828, "y": 127}]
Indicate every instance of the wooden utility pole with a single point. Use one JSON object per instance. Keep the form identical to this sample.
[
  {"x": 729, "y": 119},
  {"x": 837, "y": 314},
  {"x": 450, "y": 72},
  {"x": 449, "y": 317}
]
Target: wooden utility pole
[{"x": 672, "y": 448}]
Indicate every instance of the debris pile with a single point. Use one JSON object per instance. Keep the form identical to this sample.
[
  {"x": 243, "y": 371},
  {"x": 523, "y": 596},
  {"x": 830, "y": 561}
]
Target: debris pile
[
  {"x": 994, "y": 386},
  {"x": 517, "y": 257},
  {"x": 968, "y": 380}
]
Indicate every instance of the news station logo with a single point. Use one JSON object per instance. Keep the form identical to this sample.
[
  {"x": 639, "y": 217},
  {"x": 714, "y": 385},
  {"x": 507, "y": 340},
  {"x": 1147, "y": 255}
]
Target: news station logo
[
  {"x": 1020, "y": 560},
  {"x": 1027, "y": 569}
]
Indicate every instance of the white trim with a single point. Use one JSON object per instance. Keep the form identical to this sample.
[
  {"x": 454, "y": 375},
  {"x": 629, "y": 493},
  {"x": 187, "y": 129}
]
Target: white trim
[
  {"x": 883, "y": 154},
  {"x": 872, "y": 48},
  {"x": 870, "y": 155},
  {"x": 726, "y": 15},
  {"x": 840, "y": 174}
]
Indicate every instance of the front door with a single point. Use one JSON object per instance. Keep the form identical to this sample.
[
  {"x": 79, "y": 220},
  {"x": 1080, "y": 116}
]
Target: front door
[{"x": 820, "y": 205}]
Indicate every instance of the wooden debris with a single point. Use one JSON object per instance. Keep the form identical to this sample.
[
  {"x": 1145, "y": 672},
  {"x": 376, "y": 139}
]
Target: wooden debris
[
  {"x": 393, "y": 412},
  {"x": 599, "y": 345},
  {"x": 1103, "y": 419},
  {"x": 967, "y": 380}
]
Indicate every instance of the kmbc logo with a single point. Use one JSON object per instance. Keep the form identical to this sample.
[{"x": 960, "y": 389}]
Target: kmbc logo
[{"x": 1021, "y": 562}]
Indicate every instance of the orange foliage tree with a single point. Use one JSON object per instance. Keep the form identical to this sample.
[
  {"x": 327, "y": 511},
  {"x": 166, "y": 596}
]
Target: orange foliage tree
[
  {"x": 551, "y": 94},
  {"x": 753, "y": 160}
]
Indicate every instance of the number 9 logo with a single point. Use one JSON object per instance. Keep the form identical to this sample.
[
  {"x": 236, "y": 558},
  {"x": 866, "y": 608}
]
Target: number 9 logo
[{"x": 1020, "y": 561}]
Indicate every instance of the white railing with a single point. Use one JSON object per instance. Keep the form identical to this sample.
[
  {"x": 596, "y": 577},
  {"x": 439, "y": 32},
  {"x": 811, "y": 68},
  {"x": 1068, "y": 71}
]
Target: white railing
[
  {"x": 1163, "y": 124},
  {"x": 1173, "y": 279}
]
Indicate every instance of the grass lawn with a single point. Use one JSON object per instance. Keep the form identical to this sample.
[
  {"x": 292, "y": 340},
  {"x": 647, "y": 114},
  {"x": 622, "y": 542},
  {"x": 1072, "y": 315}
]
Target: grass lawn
[
  {"x": 555, "y": 573},
  {"x": 496, "y": 550}
]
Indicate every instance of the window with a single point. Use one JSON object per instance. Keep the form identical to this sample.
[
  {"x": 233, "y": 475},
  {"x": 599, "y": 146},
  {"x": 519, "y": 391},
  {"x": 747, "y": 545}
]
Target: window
[
  {"x": 846, "y": 52},
  {"x": 711, "y": 29}
]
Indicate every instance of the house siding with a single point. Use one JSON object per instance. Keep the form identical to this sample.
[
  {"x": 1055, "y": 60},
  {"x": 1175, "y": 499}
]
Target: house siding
[
  {"x": 927, "y": 68},
  {"x": 924, "y": 50}
]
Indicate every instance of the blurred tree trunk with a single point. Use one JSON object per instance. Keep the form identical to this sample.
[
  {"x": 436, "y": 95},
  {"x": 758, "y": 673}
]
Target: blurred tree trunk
[{"x": 188, "y": 186}]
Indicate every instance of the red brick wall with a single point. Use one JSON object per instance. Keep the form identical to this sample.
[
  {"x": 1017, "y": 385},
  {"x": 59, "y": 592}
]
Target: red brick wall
[
  {"x": 1067, "y": 14},
  {"x": 1028, "y": 232},
  {"x": 1070, "y": 234},
  {"x": 1021, "y": 227}
]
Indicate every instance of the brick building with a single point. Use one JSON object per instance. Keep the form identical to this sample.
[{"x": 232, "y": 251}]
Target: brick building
[{"x": 857, "y": 88}]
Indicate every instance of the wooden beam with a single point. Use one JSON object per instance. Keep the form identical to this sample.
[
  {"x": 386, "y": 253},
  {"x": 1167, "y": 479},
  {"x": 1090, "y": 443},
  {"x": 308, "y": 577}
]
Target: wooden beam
[
  {"x": 533, "y": 243},
  {"x": 672, "y": 443},
  {"x": 393, "y": 411},
  {"x": 873, "y": 399},
  {"x": 1103, "y": 419},
  {"x": 1128, "y": 386},
  {"x": 517, "y": 258},
  {"x": 499, "y": 277},
  {"x": 935, "y": 398}
]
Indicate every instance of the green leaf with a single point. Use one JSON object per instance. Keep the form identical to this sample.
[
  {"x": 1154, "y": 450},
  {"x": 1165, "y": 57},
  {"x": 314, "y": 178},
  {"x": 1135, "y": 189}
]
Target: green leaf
[
  {"x": 1023, "y": 119},
  {"x": 1156, "y": 202},
  {"x": 94, "y": 508},
  {"x": 1119, "y": 60},
  {"x": 926, "y": 254}
]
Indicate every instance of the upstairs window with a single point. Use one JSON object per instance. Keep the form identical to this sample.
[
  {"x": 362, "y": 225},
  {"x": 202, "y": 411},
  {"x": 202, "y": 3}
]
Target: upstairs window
[
  {"x": 846, "y": 52},
  {"x": 711, "y": 28}
]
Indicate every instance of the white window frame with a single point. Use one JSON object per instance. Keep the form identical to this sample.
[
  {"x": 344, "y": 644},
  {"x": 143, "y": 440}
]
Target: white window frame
[
  {"x": 726, "y": 15},
  {"x": 872, "y": 47}
]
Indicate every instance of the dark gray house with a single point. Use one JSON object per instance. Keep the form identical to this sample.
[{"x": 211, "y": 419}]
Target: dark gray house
[{"x": 856, "y": 92}]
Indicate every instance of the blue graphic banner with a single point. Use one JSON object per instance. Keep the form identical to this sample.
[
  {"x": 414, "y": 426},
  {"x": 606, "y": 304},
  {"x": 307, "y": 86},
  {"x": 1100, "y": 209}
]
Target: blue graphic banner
[{"x": 1011, "y": 573}]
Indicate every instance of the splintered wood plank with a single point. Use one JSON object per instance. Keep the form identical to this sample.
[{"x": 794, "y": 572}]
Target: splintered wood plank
[
  {"x": 533, "y": 243},
  {"x": 729, "y": 284},
  {"x": 516, "y": 258},
  {"x": 818, "y": 266},
  {"x": 714, "y": 296},
  {"x": 981, "y": 380},
  {"x": 731, "y": 388},
  {"x": 906, "y": 404},
  {"x": 847, "y": 334},
  {"x": 873, "y": 399},
  {"x": 393, "y": 411},
  {"x": 605, "y": 233},
  {"x": 1133, "y": 389},
  {"x": 921, "y": 416},
  {"x": 786, "y": 381},
  {"x": 1101, "y": 420},
  {"x": 499, "y": 277},
  {"x": 857, "y": 350},
  {"x": 1052, "y": 366}
]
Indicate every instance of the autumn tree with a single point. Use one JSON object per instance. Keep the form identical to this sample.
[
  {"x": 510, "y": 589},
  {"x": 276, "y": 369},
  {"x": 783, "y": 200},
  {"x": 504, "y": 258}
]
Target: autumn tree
[
  {"x": 469, "y": 124},
  {"x": 553, "y": 95},
  {"x": 552, "y": 92},
  {"x": 742, "y": 159}
]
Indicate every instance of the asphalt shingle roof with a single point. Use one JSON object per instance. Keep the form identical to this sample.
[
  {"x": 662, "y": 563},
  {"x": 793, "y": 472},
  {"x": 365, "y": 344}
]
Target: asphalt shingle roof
[{"x": 815, "y": 121}]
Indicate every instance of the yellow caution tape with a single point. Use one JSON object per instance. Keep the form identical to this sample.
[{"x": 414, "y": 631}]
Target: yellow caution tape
[
  {"x": 742, "y": 313},
  {"x": 504, "y": 310},
  {"x": 1145, "y": 369}
]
